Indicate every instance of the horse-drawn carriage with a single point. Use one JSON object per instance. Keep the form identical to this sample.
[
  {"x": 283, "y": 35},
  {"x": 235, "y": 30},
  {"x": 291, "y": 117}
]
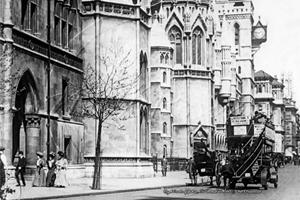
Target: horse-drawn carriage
[{"x": 204, "y": 163}]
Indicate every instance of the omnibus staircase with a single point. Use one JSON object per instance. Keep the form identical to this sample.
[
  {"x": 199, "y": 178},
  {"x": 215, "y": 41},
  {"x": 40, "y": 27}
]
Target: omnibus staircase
[{"x": 249, "y": 157}]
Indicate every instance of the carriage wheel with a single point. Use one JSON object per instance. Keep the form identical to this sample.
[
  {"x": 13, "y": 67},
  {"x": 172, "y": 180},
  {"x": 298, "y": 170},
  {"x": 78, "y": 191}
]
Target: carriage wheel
[
  {"x": 276, "y": 182},
  {"x": 218, "y": 180},
  {"x": 232, "y": 184},
  {"x": 218, "y": 174},
  {"x": 226, "y": 183},
  {"x": 195, "y": 179}
]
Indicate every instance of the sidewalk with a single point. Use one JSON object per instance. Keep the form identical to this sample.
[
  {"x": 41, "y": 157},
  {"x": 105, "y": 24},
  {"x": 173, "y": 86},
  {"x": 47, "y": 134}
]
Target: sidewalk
[{"x": 81, "y": 187}]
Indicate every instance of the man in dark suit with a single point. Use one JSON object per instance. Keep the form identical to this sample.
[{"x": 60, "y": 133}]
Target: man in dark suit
[
  {"x": 20, "y": 168},
  {"x": 164, "y": 165}
]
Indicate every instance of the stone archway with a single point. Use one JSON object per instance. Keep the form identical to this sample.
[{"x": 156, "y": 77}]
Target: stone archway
[{"x": 26, "y": 122}]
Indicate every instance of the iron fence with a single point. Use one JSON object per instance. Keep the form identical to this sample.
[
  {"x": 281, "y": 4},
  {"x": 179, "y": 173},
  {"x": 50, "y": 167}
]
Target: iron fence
[{"x": 174, "y": 163}]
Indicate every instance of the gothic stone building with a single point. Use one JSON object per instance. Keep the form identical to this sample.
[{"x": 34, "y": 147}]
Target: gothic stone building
[
  {"x": 201, "y": 71},
  {"x": 24, "y": 59}
]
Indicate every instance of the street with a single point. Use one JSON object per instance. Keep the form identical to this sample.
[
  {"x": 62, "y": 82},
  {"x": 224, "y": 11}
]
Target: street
[{"x": 288, "y": 189}]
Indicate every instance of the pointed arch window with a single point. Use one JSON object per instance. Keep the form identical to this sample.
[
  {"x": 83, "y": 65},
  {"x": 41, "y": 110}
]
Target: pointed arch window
[
  {"x": 197, "y": 46},
  {"x": 164, "y": 128},
  {"x": 176, "y": 40},
  {"x": 237, "y": 34},
  {"x": 144, "y": 134},
  {"x": 141, "y": 71},
  {"x": 165, "y": 103},
  {"x": 143, "y": 74},
  {"x": 164, "y": 77},
  {"x": 167, "y": 59},
  {"x": 161, "y": 58},
  {"x": 168, "y": 12}
]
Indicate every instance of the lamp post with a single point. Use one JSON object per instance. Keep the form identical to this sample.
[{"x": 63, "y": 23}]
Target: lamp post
[{"x": 48, "y": 77}]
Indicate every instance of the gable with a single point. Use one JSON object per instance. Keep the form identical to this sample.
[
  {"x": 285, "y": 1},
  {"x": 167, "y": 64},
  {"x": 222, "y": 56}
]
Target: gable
[{"x": 174, "y": 20}]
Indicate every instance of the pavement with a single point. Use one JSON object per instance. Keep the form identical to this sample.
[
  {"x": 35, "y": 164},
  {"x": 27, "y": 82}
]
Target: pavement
[{"x": 82, "y": 186}]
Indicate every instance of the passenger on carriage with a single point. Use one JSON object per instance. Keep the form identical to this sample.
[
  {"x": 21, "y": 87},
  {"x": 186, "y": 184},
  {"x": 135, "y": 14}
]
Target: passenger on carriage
[{"x": 202, "y": 147}]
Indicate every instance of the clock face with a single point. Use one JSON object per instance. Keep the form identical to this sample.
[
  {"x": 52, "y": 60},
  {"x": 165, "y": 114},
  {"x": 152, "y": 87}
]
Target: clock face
[{"x": 259, "y": 33}]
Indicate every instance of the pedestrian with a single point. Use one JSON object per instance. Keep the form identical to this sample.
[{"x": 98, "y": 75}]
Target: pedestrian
[
  {"x": 3, "y": 157},
  {"x": 191, "y": 168},
  {"x": 164, "y": 165},
  {"x": 39, "y": 179},
  {"x": 2, "y": 167},
  {"x": 61, "y": 167},
  {"x": 51, "y": 170},
  {"x": 20, "y": 168}
]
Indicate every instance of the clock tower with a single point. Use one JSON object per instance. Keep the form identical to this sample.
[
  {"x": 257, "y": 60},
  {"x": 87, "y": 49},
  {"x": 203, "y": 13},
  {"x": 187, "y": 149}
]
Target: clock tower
[{"x": 259, "y": 35}]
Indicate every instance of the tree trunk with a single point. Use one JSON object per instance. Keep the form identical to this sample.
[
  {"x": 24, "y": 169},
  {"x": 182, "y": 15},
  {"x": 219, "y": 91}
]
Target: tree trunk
[{"x": 97, "y": 168}]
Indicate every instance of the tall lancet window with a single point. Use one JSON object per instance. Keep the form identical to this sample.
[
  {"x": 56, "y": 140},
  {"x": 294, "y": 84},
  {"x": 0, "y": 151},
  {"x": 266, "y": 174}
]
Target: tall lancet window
[
  {"x": 176, "y": 40},
  {"x": 143, "y": 74},
  {"x": 237, "y": 34},
  {"x": 197, "y": 46}
]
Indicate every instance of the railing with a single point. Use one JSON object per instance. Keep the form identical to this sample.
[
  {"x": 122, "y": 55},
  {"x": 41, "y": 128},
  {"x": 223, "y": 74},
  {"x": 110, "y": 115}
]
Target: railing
[
  {"x": 189, "y": 72},
  {"x": 109, "y": 8},
  {"x": 174, "y": 164}
]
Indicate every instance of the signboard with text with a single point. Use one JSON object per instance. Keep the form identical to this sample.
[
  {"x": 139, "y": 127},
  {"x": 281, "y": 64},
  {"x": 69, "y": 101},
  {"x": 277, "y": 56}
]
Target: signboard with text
[
  {"x": 240, "y": 130},
  {"x": 288, "y": 139},
  {"x": 278, "y": 143},
  {"x": 270, "y": 133},
  {"x": 240, "y": 120},
  {"x": 258, "y": 128}
]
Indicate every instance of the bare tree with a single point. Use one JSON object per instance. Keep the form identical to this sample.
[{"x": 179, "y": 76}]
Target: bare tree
[{"x": 105, "y": 90}]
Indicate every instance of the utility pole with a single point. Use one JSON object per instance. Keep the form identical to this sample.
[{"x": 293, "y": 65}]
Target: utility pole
[{"x": 48, "y": 77}]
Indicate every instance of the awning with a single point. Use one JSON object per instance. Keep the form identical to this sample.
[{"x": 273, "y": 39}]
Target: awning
[{"x": 220, "y": 141}]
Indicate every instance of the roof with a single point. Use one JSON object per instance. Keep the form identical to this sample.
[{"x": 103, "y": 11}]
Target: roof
[
  {"x": 158, "y": 35},
  {"x": 277, "y": 84},
  {"x": 262, "y": 76}
]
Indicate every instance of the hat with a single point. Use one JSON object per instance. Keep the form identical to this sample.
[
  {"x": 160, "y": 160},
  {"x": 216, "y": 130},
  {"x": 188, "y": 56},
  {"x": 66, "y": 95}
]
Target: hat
[
  {"x": 39, "y": 154},
  {"x": 52, "y": 154},
  {"x": 21, "y": 152},
  {"x": 60, "y": 153},
  {"x": 2, "y": 148}
]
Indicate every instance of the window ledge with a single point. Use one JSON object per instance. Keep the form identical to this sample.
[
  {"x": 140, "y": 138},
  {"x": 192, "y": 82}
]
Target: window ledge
[{"x": 165, "y": 135}]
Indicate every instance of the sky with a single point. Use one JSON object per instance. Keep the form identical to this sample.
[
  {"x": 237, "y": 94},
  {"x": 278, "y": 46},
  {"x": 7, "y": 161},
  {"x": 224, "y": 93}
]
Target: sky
[{"x": 281, "y": 52}]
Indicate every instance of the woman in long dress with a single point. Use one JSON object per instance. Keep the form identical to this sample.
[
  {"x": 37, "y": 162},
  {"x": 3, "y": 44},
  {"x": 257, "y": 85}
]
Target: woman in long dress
[
  {"x": 51, "y": 170},
  {"x": 39, "y": 179},
  {"x": 61, "y": 167},
  {"x": 2, "y": 174}
]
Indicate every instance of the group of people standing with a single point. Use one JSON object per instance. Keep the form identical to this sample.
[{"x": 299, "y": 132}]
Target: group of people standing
[{"x": 56, "y": 175}]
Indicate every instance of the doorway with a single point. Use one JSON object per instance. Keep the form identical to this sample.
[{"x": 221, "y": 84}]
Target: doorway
[
  {"x": 68, "y": 147},
  {"x": 25, "y": 102}
]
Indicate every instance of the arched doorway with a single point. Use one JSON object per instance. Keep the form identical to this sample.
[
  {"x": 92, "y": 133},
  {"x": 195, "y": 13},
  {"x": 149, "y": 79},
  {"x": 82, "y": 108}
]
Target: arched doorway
[{"x": 26, "y": 106}]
